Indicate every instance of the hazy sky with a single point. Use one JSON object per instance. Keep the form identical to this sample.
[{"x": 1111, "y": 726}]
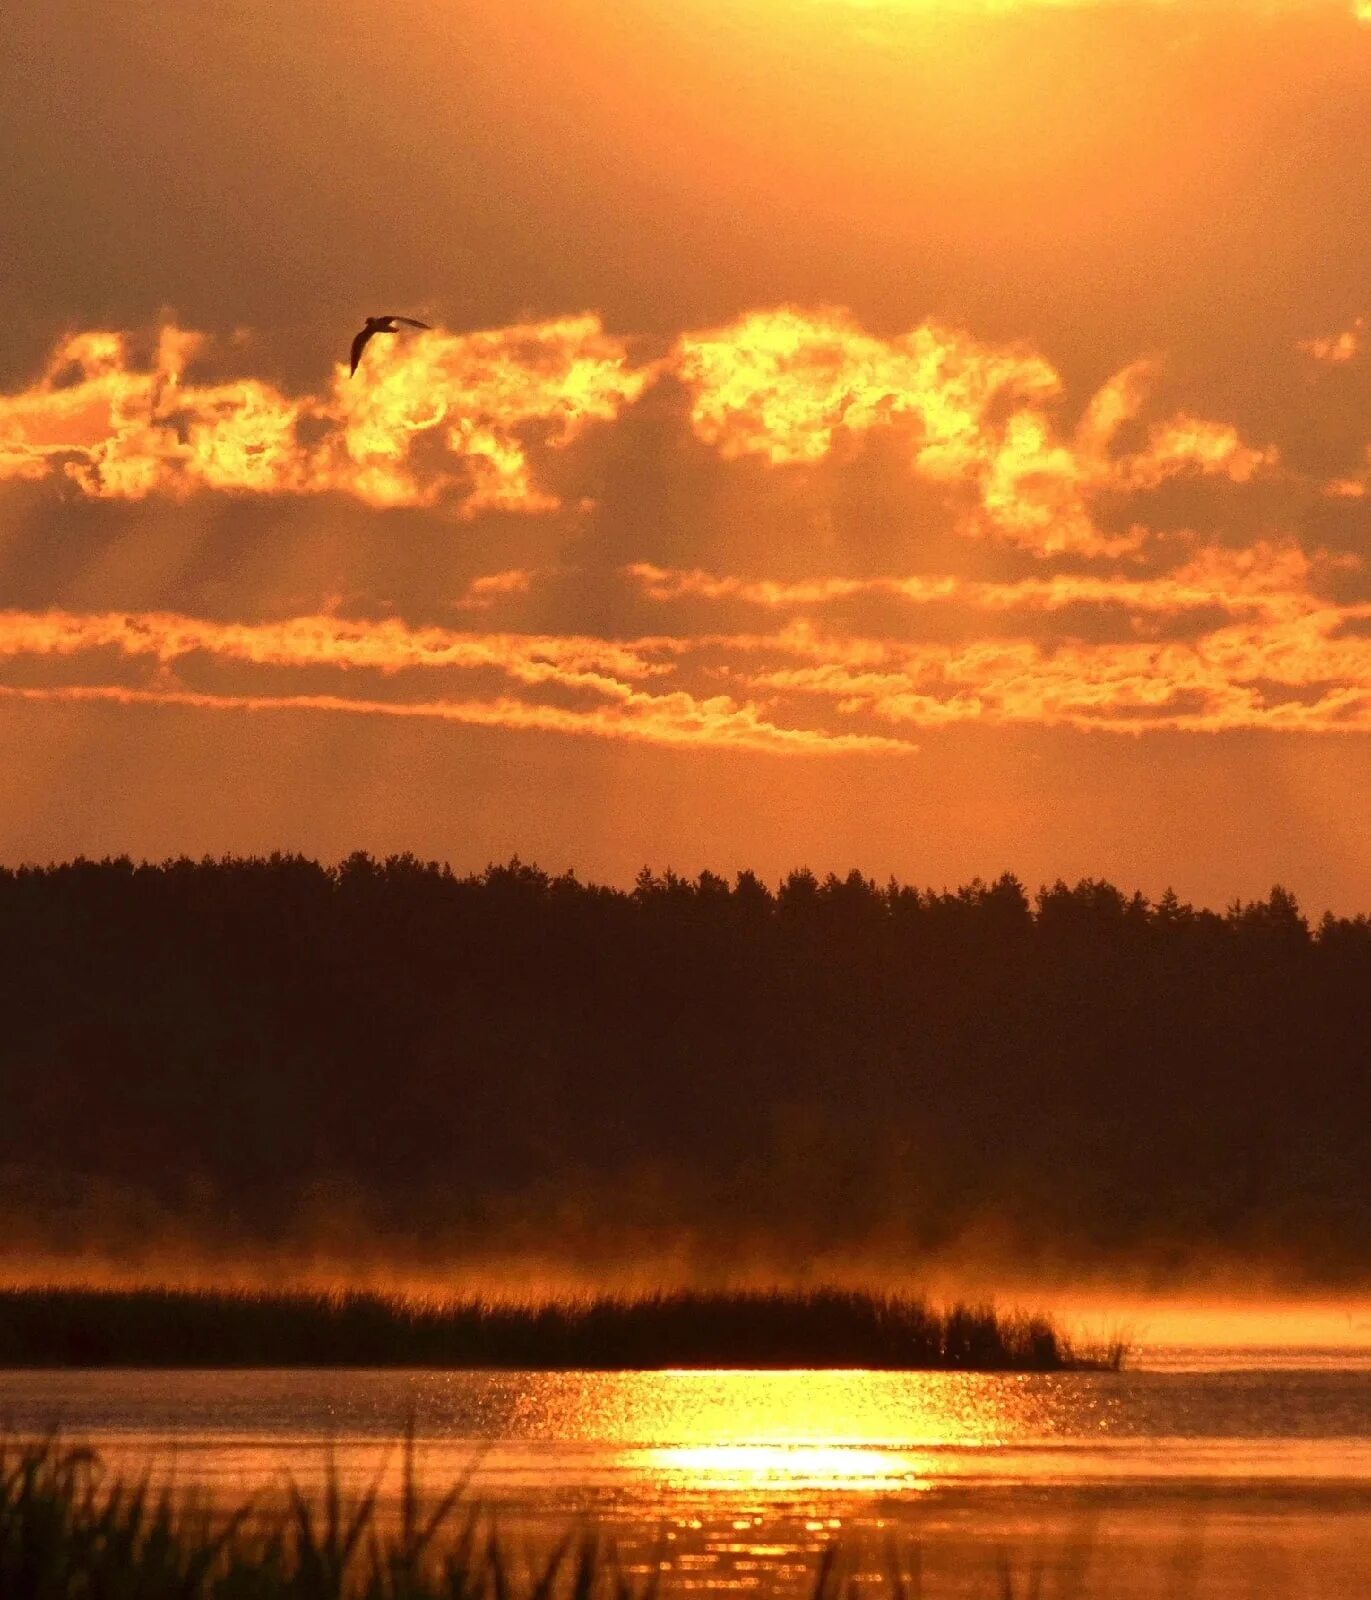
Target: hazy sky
[{"x": 926, "y": 437}]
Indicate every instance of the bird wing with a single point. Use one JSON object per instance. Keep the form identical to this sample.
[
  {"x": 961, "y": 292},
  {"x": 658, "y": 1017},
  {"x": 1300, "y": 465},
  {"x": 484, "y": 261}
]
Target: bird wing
[{"x": 359, "y": 344}]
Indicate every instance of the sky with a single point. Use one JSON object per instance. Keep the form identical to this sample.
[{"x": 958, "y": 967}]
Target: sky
[{"x": 925, "y": 437}]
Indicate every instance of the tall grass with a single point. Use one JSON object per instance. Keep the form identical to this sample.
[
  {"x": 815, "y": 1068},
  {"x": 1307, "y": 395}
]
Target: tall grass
[
  {"x": 52, "y": 1327},
  {"x": 69, "y": 1529}
]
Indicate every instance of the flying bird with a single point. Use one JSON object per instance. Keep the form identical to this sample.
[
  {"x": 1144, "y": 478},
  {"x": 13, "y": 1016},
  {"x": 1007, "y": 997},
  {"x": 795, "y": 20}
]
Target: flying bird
[{"x": 379, "y": 325}]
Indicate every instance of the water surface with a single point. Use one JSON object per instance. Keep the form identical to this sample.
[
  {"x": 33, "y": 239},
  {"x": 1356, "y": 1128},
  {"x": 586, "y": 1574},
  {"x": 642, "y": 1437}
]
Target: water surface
[{"x": 1204, "y": 1472}]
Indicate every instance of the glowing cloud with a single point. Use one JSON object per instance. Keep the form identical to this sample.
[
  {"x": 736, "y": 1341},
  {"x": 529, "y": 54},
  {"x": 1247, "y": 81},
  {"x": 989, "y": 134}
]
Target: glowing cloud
[
  {"x": 677, "y": 719},
  {"x": 1304, "y": 672},
  {"x": 1264, "y": 650},
  {"x": 608, "y": 673},
  {"x": 491, "y": 587},
  {"x": 121, "y": 431},
  {"x": 477, "y": 392},
  {"x": 784, "y": 384},
  {"x": 460, "y": 420},
  {"x": 1336, "y": 349},
  {"x": 386, "y": 646},
  {"x": 1266, "y": 578},
  {"x": 793, "y": 387},
  {"x": 1251, "y": 643}
]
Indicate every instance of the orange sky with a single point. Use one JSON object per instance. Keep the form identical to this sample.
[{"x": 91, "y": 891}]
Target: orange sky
[{"x": 928, "y": 437}]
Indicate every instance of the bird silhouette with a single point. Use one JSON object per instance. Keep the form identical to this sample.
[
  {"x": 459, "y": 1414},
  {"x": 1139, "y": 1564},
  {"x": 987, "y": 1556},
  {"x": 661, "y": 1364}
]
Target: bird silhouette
[{"x": 379, "y": 325}]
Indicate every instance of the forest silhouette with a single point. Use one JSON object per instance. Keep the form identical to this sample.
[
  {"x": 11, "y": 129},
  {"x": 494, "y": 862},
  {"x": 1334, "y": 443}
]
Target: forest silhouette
[{"x": 239, "y": 1053}]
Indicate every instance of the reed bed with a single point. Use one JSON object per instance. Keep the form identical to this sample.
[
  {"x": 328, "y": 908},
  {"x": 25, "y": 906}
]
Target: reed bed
[
  {"x": 69, "y": 1530},
  {"x": 63, "y": 1327}
]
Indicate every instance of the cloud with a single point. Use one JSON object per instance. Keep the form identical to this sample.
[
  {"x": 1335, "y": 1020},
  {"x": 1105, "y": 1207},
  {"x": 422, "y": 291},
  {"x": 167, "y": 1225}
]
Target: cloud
[
  {"x": 1191, "y": 444},
  {"x": 1279, "y": 655},
  {"x": 438, "y": 417},
  {"x": 793, "y": 387},
  {"x": 476, "y": 392},
  {"x": 387, "y": 645},
  {"x": 1308, "y": 673},
  {"x": 490, "y": 588},
  {"x": 1267, "y": 578},
  {"x": 92, "y": 417},
  {"x": 1256, "y": 644},
  {"x": 609, "y": 674},
  {"x": 1354, "y": 485},
  {"x": 1087, "y": 621},
  {"x": 785, "y": 384},
  {"x": 1226, "y": 683},
  {"x": 462, "y": 421},
  {"x": 677, "y": 720},
  {"x": 1336, "y": 349}
]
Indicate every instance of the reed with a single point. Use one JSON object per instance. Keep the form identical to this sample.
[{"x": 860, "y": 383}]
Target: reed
[
  {"x": 63, "y": 1327},
  {"x": 69, "y": 1528}
]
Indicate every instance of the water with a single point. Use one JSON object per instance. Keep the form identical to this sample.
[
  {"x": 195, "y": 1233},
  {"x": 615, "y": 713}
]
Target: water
[{"x": 1202, "y": 1472}]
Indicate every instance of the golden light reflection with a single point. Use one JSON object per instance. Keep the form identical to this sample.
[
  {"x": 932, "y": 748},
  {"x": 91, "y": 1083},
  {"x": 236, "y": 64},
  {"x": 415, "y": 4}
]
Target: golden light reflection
[
  {"x": 751, "y": 1466},
  {"x": 867, "y": 1432},
  {"x": 791, "y": 1408}
]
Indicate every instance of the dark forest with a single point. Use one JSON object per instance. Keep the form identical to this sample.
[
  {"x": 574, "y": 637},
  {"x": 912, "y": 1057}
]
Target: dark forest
[{"x": 239, "y": 1054}]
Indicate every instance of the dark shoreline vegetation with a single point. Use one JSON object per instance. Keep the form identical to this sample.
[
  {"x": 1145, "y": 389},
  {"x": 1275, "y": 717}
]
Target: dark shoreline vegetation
[
  {"x": 824, "y": 1328},
  {"x": 383, "y": 1062}
]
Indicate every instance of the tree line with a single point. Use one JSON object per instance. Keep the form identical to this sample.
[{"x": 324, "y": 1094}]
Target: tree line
[{"x": 246, "y": 1051}]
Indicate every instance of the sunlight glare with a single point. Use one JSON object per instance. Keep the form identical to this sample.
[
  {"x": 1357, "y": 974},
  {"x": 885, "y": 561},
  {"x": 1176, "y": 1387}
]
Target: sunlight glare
[{"x": 830, "y": 1430}]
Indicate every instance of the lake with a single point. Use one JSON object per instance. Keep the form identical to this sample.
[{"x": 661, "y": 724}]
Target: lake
[{"x": 1200, "y": 1472}]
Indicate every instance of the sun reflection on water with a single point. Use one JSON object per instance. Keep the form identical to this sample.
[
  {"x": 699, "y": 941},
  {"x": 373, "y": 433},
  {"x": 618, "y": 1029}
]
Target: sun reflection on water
[
  {"x": 790, "y": 1466},
  {"x": 789, "y": 1430}
]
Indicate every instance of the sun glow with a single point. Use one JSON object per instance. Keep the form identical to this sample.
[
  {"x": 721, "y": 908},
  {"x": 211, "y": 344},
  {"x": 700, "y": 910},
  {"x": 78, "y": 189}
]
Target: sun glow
[
  {"x": 791, "y": 1466},
  {"x": 786, "y": 1430},
  {"x": 1361, "y": 9}
]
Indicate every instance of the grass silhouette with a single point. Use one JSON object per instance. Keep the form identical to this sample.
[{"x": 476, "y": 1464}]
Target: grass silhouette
[
  {"x": 69, "y": 1528},
  {"x": 62, "y": 1327}
]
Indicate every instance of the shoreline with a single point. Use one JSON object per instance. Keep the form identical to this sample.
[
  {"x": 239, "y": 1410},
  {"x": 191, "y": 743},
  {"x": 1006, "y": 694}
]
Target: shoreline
[{"x": 832, "y": 1330}]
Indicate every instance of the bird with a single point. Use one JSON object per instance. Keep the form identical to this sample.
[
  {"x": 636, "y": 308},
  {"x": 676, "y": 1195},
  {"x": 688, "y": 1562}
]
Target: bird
[{"x": 379, "y": 325}]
